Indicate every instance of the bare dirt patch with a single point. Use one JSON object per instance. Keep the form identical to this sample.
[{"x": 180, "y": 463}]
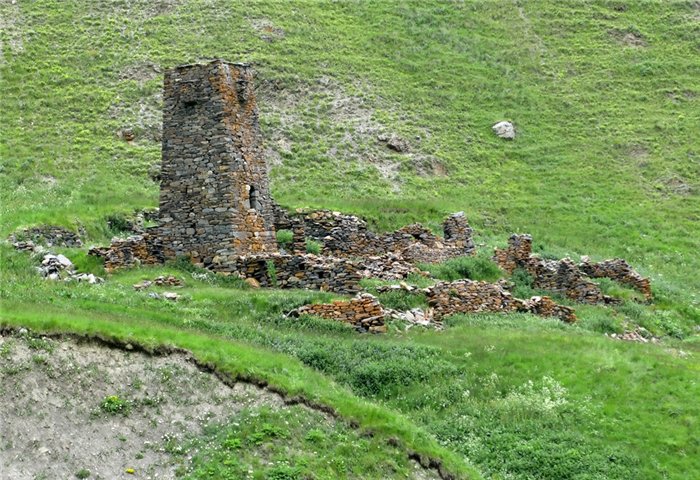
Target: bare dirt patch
[
  {"x": 628, "y": 39},
  {"x": 266, "y": 29},
  {"x": 73, "y": 408},
  {"x": 61, "y": 410},
  {"x": 349, "y": 112}
]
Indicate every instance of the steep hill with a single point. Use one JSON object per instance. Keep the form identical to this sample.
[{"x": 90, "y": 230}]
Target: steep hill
[{"x": 605, "y": 98}]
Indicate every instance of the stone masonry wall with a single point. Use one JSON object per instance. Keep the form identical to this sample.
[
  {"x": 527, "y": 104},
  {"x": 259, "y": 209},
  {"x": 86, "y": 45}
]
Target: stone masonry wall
[
  {"x": 296, "y": 271},
  {"x": 564, "y": 276},
  {"x": 128, "y": 252},
  {"x": 214, "y": 196},
  {"x": 619, "y": 270},
  {"x": 468, "y": 296},
  {"x": 364, "y": 312},
  {"x": 348, "y": 236}
]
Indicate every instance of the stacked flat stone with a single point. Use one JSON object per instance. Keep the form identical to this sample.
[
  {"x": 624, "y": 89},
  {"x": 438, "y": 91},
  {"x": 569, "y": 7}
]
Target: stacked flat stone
[
  {"x": 214, "y": 196},
  {"x": 619, "y": 270},
  {"x": 348, "y": 236},
  {"x": 364, "y": 312},
  {"x": 546, "y": 307},
  {"x": 297, "y": 271},
  {"x": 560, "y": 276},
  {"x": 130, "y": 252},
  {"x": 46, "y": 235},
  {"x": 468, "y": 296}
]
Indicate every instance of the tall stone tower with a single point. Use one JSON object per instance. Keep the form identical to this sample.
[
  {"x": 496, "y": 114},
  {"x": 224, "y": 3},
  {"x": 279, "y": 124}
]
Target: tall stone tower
[{"x": 215, "y": 199}]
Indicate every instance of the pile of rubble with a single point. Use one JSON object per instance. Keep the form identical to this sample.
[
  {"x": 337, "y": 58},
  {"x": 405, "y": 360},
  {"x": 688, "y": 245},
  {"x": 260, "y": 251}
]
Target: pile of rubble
[
  {"x": 416, "y": 316},
  {"x": 46, "y": 235},
  {"x": 468, "y": 296},
  {"x": 172, "y": 296},
  {"x": 59, "y": 267},
  {"x": 640, "y": 335},
  {"x": 364, "y": 312},
  {"x": 130, "y": 252},
  {"x": 389, "y": 266},
  {"x": 564, "y": 276}
]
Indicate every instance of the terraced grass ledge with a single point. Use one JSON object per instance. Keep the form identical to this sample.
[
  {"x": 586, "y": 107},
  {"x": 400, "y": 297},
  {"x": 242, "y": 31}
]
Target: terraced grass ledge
[{"x": 234, "y": 362}]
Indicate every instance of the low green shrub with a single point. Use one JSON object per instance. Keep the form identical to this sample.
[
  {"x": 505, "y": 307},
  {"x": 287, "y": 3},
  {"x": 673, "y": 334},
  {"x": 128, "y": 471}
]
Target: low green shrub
[
  {"x": 284, "y": 237},
  {"x": 114, "y": 404},
  {"x": 312, "y": 246},
  {"x": 479, "y": 267}
]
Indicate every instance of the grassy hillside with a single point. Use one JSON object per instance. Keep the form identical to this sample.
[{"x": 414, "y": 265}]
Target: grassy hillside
[{"x": 605, "y": 97}]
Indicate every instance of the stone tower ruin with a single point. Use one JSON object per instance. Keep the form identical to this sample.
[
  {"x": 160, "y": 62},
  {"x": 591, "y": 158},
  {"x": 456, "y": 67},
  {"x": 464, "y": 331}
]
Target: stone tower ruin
[{"x": 215, "y": 199}]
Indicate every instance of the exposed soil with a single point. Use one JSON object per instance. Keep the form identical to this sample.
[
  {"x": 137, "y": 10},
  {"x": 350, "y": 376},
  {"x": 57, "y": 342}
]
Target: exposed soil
[{"x": 60, "y": 415}]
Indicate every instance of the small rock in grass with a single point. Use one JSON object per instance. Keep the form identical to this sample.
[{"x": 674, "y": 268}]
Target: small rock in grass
[{"x": 504, "y": 130}]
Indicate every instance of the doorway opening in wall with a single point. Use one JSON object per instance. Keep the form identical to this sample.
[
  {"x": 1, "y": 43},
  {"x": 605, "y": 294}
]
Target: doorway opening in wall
[{"x": 254, "y": 198}]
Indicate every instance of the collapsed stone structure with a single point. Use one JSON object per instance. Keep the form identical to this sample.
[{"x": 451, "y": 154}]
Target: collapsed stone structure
[
  {"x": 564, "y": 276},
  {"x": 364, "y": 312},
  {"x": 216, "y": 207},
  {"x": 45, "y": 235},
  {"x": 469, "y": 296},
  {"x": 348, "y": 236}
]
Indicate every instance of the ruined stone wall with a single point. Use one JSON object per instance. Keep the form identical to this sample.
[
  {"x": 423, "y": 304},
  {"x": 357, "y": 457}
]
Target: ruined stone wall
[
  {"x": 564, "y": 276},
  {"x": 619, "y": 270},
  {"x": 348, "y": 236},
  {"x": 468, "y": 296},
  {"x": 214, "y": 197},
  {"x": 296, "y": 271},
  {"x": 46, "y": 235},
  {"x": 364, "y": 312},
  {"x": 133, "y": 251}
]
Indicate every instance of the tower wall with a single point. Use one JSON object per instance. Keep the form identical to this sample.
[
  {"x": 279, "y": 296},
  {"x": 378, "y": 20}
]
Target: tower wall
[{"x": 215, "y": 199}]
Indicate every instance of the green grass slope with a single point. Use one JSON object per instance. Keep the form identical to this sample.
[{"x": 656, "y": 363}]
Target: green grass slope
[{"x": 605, "y": 96}]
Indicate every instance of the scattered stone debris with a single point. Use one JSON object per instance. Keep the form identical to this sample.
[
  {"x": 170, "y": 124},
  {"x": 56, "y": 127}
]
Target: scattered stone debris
[
  {"x": 564, "y": 276},
  {"x": 394, "y": 288},
  {"x": 172, "y": 296},
  {"x": 364, "y": 312},
  {"x": 389, "y": 266},
  {"x": 504, "y": 130},
  {"x": 468, "y": 296},
  {"x": 161, "y": 281},
  {"x": 416, "y": 316},
  {"x": 59, "y": 267},
  {"x": 45, "y": 235},
  {"x": 639, "y": 335}
]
